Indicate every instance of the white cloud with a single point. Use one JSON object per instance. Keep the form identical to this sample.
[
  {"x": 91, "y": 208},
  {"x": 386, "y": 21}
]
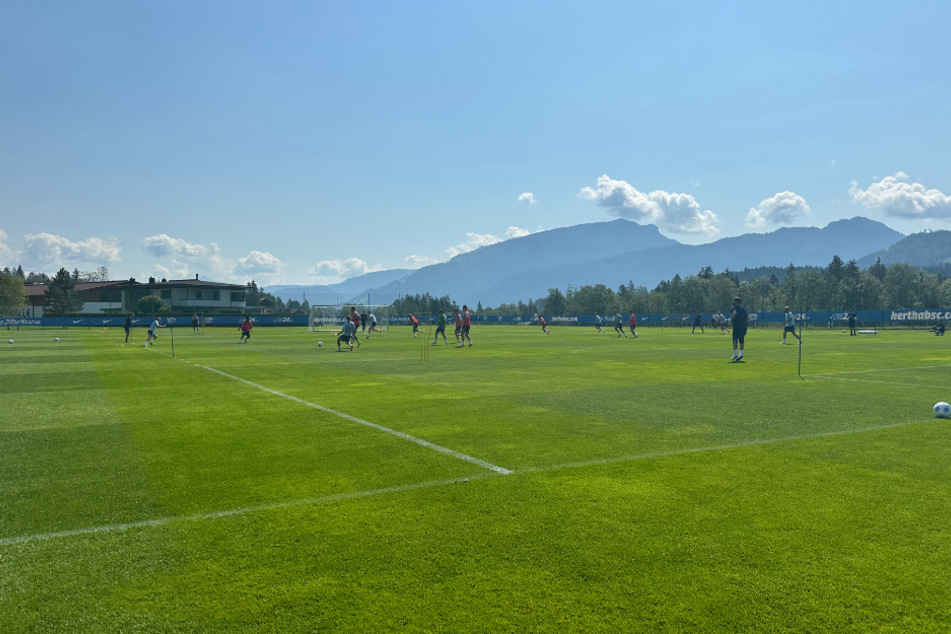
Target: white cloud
[
  {"x": 475, "y": 241},
  {"x": 180, "y": 259},
  {"x": 676, "y": 213},
  {"x": 332, "y": 271},
  {"x": 781, "y": 209},
  {"x": 894, "y": 196},
  {"x": 47, "y": 249},
  {"x": 419, "y": 261},
  {"x": 6, "y": 253},
  {"x": 516, "y": 232},
  {"x": 527, "y": 197},
  {"x": 163, "y": 244}
]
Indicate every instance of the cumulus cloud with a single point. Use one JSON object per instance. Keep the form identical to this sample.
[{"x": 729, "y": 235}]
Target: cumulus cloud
[
  {"x": 676, "y": 213},
  {"x": 419, "y": 261},
  {"x": 181, "y": 259},
  {"x": 781, "y": 209},
  {"x": 894, "y": 196},
  {"x": 47, "y": 249},
  {"x": 475, "y": 241},
  {"x": 6, "y": 253},
  {"x": 330, "y": 271},
  {"x": 164, "y": 245},
  {"x": 516, "y": 232},
  {"x": 527, "y": 197}
]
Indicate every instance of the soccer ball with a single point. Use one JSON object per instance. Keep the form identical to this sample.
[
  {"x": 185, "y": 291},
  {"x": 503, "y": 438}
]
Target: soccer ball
[
  {"x": 55, "y": 338},
  {"x": 942, "y": 410},
  {"x": 9, "y": 340},
  {"x": 320, "y": 344}
]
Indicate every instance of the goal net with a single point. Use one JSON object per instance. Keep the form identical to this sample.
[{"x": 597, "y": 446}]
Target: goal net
[{"x": 329, "y": 317}]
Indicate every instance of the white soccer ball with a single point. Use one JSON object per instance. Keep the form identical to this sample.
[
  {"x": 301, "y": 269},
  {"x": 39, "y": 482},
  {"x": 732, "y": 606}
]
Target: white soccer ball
[
  {"x": 942, "y": 410},
  {"x": 320, "y": 344},
  {"x": 55, "y": 338},
  {"x": 9, "y": 340}
]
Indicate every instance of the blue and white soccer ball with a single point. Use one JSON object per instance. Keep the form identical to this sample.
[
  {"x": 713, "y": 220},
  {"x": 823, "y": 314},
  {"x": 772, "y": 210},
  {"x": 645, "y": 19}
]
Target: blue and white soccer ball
[
  {"x": 942, "y": 410},
  {"x": 320, "y": 344}
]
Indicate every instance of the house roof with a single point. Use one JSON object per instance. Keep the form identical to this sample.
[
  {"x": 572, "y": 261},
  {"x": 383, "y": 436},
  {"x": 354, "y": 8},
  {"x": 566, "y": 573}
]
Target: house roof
[{"x": 38, "y": 290}]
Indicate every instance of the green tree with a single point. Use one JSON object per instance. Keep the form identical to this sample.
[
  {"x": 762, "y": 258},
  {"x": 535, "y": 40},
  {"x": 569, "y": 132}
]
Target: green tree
[
  {"x": 555, "y": 303},
  {"x": 61, "y": 298},
  {"x": 150, "y": 304},
  {"x": 12, "y": 294}
]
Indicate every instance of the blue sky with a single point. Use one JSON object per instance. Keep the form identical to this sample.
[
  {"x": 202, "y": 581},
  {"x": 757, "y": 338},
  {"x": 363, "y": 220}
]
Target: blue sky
[{"x": 307, "y": 142}]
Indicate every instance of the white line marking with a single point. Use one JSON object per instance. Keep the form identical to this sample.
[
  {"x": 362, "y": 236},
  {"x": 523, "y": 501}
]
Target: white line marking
[
  {"x": 399, "y": 434},
  {"x": 115, "y": 528}
]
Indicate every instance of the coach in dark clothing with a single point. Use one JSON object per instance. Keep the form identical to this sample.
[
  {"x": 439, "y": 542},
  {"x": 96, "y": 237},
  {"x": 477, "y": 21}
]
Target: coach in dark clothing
[{"x": 740, "y": 320}]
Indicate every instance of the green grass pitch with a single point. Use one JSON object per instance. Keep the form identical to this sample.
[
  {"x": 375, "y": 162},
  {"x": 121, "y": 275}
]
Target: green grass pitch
[{"x": 571, "y": 483}]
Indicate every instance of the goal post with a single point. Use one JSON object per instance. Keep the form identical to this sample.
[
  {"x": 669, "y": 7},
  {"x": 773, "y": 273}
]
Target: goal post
[{"x": 329, "y": 316}]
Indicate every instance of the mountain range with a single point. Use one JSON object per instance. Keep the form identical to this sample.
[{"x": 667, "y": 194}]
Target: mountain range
[{"x": 621, "y": 252}]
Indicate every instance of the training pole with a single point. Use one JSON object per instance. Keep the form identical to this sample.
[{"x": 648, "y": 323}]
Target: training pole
[
  {"x": 171, "y": 332},
  {"x": 799, "y": 370}
]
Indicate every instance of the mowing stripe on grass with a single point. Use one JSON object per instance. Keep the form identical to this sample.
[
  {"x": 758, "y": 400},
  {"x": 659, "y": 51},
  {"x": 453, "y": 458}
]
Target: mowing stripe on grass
[
  {"x": 398, "y": 434},
  {"x": 116, "y": 528},
  {"x": 923, "y": 367},
  {"x": 848, "y": 378}
]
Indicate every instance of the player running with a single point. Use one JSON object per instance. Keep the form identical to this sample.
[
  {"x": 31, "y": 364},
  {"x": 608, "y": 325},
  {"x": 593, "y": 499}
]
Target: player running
[
  {"x": 152, "y": 336},
  {"x": 458, "y": 317},
  {"x": 245, "y": 329},
  {"x": 373, "y": 328},
  {"x": 619, "y": 326},
  {"x": 466, "y": 325},
  {"x": 789, "y": 325},
  {"x": 633, "y": 324},
  {"x": 543, "y": 324},
  {"x": 441, "y": 329},
  {"x": 415, "y": 322},
  {"x": 598, "y": 320}
]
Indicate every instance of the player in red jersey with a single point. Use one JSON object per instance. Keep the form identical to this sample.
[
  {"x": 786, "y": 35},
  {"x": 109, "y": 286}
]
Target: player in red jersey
[
  {"x": 633, "y": 324},
  {"x": 543, "y": 324},
  {"x": 466, "y": 324}
]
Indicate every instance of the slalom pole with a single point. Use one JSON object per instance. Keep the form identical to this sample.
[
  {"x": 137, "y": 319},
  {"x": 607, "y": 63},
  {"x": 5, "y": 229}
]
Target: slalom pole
[
  {"x": 171, "y": 332},
  {"x": 799, "y": 370}
]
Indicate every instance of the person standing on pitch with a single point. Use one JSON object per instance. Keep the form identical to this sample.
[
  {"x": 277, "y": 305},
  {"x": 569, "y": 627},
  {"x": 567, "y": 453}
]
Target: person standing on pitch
[
  {"x": 363, "y": 322},
  {"x": 466, "y": 326},
  {"x": 789, "y": 325},
  {"x": 697, "y": 323},
  {"x": 441, "y": 329},
  {"x": 152, "y": 336},
  {"x": 245, "y": 329},
  {"x": 740, "y": 320},
  {"x": 851, "y": 316},
  {"x": 127, "y": 326},
  {"x": 195, "y": 324},
  {"x": 597, "y": 323},
  {"x": 619, "y": 326},
  {"x": 415, "y": 322},
  {"x": 458, "y": 325},
  {"x": 633, "y": 324},
  {"x": 347, "y": 333},
  {"x": 355, "y": 318}
]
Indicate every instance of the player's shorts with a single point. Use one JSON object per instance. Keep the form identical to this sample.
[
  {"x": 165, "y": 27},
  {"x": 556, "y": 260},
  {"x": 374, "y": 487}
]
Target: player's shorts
[
  {"x": 343, "y": 338},
  {"x": 465, "y": 330},
  {"x": 440, "y": 330},
  {"x": 739, "y": 336},
  {"x": 791, "y": 329}
]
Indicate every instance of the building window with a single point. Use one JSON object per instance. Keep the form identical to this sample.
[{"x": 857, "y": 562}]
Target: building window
[
  {"x": 197, "y": 294},
  {"x": 237, "y": 297},
  {"x": 167, "y": 294},
  {"x": 216, "y": 295}
]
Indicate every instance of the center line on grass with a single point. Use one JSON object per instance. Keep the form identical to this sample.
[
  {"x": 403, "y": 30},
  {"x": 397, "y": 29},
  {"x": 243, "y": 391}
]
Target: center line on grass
[
  {"x": 399, "y": 434},
  {"x": 164, "y": 521}
]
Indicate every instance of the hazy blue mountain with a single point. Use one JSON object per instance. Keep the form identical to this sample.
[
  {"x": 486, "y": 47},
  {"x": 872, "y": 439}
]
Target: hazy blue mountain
[
  {"x": 803, "y": 246},
  {"x": 926, "y": 249},
  {"x": 467, "y": 276},
  {"x": 319, "y": 294}
]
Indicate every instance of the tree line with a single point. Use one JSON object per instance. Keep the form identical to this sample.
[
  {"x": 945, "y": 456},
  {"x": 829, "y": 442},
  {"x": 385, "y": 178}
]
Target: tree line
[{"x": 838, "y": 286}]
